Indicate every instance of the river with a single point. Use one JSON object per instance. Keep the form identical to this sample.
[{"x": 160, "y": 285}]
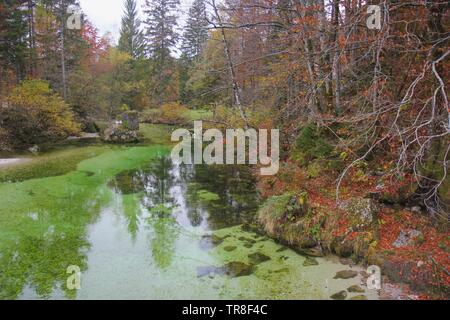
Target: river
[{"x": 139, "y": 226}]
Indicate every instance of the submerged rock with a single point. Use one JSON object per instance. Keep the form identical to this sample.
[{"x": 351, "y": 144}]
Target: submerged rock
[
  {"x": 229, "y": 248},
  {"x": 356, "y": 289},
  {"x": 284, "y": 270},
  {"x": 211, "y": 241},
  {"x": 309, "y": 262},
  {"x": 257, "y": 258},
  {"x": 342, "y": 295},
  {"x": 346, "y": 274},
  {"x": 361, "y": 297},
  {"x": 248, "y": 240},
  {"x": 232, "y": 269},
  {"x": 238, "y": 269}
]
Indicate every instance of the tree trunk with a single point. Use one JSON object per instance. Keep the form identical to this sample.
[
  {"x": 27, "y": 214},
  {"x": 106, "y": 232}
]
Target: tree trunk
[{"x": 235, "y": 84}]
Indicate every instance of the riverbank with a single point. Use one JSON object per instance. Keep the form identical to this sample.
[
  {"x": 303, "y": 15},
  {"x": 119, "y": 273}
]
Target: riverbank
[{"x": 301, "y": 211}]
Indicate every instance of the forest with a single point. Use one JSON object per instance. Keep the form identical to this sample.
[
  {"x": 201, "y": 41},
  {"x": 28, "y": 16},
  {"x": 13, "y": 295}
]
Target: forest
[{"x": 363, "y": 112}]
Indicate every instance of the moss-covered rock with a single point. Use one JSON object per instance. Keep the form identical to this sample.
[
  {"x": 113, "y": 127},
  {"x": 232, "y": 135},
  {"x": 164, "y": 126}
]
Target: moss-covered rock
[
  {"x": 342, "y": 295},
  {"x": 356, "y": 289},
  {"x": 346, "y": 274},
  {"x": 309, "y": 262},
  {"x": 362, "y": 211}
]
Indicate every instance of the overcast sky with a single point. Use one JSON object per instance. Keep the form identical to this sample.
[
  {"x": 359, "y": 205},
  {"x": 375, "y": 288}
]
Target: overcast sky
[{"x": 106, "y": 14}]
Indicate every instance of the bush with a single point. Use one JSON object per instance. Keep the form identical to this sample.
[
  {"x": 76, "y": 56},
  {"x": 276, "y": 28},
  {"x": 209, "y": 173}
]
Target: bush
[
  {"x": 169, "y": 113},
  {"x": 311, "y": 144},
  {"x": 35, "y": 114}
]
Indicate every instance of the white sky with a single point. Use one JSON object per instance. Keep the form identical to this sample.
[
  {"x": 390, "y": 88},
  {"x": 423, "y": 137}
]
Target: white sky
[{"x": 106, "y": 14}]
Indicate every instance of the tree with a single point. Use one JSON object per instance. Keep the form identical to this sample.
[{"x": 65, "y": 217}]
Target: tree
[
  {"x": 131, "y": 37},
  {"x": 161, "y": 36},
  {"x": 35, "y": 114},
  {"x": 196, "y": 32},
  {"x": 160, "y": 24}
]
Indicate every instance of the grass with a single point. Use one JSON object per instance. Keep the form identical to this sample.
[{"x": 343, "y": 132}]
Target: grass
[
  {"x": 200, "y": 114},
  {"x": 156, "y": 133}
]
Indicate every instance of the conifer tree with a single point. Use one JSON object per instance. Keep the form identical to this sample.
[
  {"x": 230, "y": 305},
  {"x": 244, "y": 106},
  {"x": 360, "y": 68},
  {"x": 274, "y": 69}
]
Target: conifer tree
[
  {"x": 196, "y": 32},
  {"x": 131, "y": 37}
]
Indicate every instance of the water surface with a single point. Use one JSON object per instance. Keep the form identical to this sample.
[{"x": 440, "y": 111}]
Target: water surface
[{"x": 141, "y": 227}]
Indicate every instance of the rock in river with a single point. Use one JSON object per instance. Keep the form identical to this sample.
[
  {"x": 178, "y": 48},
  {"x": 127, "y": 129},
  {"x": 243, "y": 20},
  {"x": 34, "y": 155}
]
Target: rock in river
[
  {"x": 342, "y": 295},
  {"x": 309, "y": 262},
  {"x": 346, "y": 274},
  {"x": 257, "y": 258},
  {"x": 229, "y": 248},
  {"x": 356, "y": 289},
  {"x": 361, "y": 297}
]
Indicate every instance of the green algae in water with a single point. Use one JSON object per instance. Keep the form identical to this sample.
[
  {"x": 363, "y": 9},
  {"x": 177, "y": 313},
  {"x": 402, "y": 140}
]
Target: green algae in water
[
  {"x": 126, "y": 250},
  {"x": 49, "y": 165},
  {"x": 43, "y": 222}
]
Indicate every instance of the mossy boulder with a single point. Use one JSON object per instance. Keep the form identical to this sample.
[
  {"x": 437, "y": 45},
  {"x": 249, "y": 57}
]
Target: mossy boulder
[
  {"x": 346, "y": 274},
  {"x": 257, "y": 258},
  {"x": 342, "y": 295},
  {"x": 356, "y": 289},
  {"x": 118, "y": 134},
  {"x": 361, "y": 211},
  {"x": 309, "y": 262}
]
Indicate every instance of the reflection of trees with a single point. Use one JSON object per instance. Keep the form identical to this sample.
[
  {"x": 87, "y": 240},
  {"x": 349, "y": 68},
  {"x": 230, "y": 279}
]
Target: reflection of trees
[
  {"x": 235, "y": 186},
  {"x": 164, "y": 235},
  {"x": 132, "y": 213},
  {"x": 159, "y": 182},
  {"x": 40, "y": 250}
]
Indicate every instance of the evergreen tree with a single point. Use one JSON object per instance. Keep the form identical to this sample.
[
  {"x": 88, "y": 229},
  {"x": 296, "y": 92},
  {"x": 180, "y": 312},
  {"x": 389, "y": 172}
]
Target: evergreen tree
[
  {"x": 131, "y": 37},
  {"x": 160, "y": 25},
  {"x": 196, "y": 32}
]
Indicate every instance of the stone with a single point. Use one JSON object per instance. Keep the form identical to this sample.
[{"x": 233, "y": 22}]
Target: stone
[
  {"x": 118, "y": 134},
  {"x": 346, "y": 261},
  {"x": 313, "y": 252},
  {"x": 345, "y": 274},
  {"x": 257, "y": 258},
  {"x": 356, "y": 289},
  {"x": 407, "y": 238},
  {"x": 34, "y": 149},
  {"x": 361, "y": 297},
  {"x": 363, "y": 211},
  {"x": 238, "y": 269},
  {"x": 229, "y": 248},
  {"x": 342, "y": 295},
  {"x": 309, "y": 262}
]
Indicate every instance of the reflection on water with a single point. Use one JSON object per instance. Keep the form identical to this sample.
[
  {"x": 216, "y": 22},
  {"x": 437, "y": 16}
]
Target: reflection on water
[{"x": 142, "y": 227}]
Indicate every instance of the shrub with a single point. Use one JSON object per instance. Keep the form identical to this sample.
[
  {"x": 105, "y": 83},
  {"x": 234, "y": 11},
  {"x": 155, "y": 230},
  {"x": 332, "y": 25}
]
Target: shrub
[
  {"x": 35, "y": 114},
  {"x": 169, "y": 113},
  {"x": 311, "y": 144}
]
